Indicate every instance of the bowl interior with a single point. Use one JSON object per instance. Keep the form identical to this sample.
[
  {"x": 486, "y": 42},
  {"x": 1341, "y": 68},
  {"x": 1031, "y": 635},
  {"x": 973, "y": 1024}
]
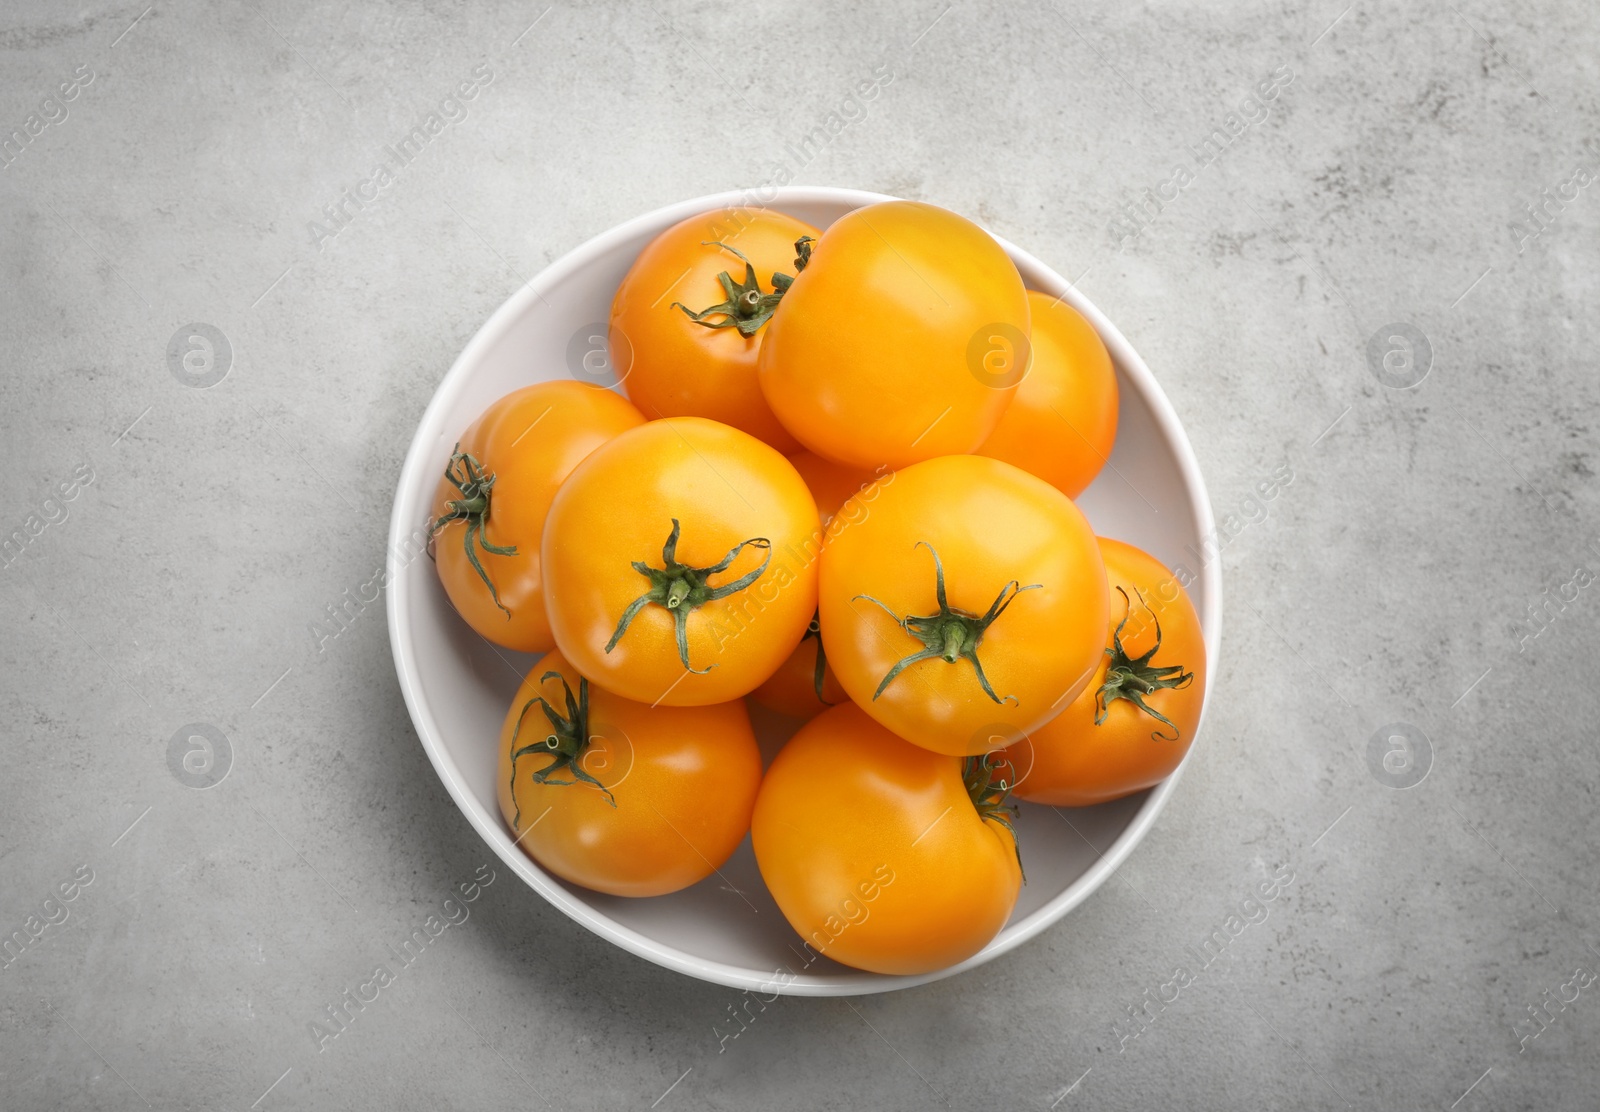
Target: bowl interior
[{"x": 457, "y": 686}]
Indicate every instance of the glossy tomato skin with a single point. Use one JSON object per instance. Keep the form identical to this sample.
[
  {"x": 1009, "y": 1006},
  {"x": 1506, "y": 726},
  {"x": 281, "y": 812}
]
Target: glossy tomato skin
[
  {"x": 724, "y": 487},
  {"x": 684, "y": 780},
  {"x": 874, "y": 851},
  {"x": 991, "y": 524},
  {"x": 1062, "y": 423},
  {"x": 792, "y": 689},
  {"x": 572, "y": 419},
  {"x": 1070, "y": 761},
  {"x": 876, "y": 355},
  {"x": 674, "y": 367}
]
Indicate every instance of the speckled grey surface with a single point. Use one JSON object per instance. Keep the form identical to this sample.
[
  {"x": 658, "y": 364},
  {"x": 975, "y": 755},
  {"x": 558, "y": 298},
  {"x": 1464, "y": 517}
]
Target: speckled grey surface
[{"x": 1425, "y": 167}]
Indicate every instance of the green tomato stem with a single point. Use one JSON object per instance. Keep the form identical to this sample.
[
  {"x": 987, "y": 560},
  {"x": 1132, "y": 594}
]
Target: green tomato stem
[
  {"x": 1132, "y": 678},
  {"x": 474, "y": 484},
  {"x": 565, "y": 744},
  {"x": 681, "y": 589},
  {"x": 951, "y": 634}
]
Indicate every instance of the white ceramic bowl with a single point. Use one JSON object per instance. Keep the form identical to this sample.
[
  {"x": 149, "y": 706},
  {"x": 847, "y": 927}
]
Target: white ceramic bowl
[{"x": 457, "y": 686}]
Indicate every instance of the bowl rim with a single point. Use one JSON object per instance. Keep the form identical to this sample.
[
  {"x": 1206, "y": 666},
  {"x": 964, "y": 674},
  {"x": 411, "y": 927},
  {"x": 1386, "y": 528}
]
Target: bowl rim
[{"x": 409, "y": 507}]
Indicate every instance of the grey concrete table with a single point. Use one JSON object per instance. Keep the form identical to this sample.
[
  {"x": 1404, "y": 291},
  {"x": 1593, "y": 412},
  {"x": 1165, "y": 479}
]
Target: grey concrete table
[{"x": 1356, "y": 244}]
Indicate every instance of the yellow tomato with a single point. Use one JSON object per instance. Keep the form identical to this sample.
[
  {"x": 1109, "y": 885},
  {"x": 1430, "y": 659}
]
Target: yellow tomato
[
  {"x": 491, "y": 505},
  {"x": 903, "y": 338},
  {"x": 677, "y": 366},
  {"x": 882, "y": 855},
  {"x": 1133, "y": 723},
  {"x": 618, "y": 796},
  {"x": 681, "y": 563},
  {"x": 1062, "y": 423},
  {"x": 964, "y": 605}
]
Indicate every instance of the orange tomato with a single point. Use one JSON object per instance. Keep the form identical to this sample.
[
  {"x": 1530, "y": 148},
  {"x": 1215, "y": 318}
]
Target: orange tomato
[
  {"x": 618, "y": 796},
  {"x": 675, "y": 366},
  {"x": 901, "y": 340},
  {"x": 1063, "y": 420},
  {"x": 1133, "y": 723},
  {"x": 964, "y": 604},
  {"x": 804, "y": 685},
  {"x": 830, "y": 483},
  {"x": 490, "y": 508},
  {"x": 881, "y": 854},
  {"x": 681, "y": 563}
]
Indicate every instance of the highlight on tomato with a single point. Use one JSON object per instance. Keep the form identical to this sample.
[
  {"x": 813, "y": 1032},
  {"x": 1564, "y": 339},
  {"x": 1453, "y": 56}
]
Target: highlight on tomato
[
  {"x": 966, "y": 606},
  {"x": 1132, "y": 724},
  {"x": 881, "y": 854},
  {"x": 691, "y": 309},
  {"x": 1062, "y": 423},
  {"x": 882, "y": 350},
  {"x": 681, "y": 563},
  {"x": 489, "y": 513},
  {"x": 619, "y": 796}
]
